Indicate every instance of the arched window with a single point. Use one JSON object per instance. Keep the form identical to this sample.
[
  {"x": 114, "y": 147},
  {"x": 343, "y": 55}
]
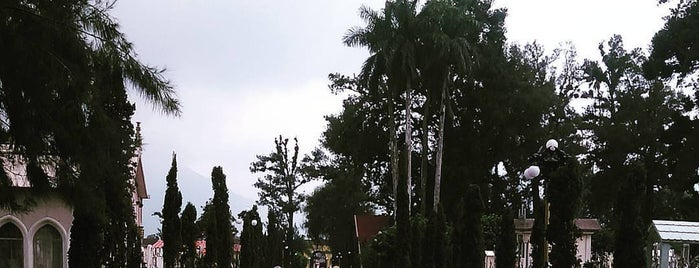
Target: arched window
[
  {"x": 11, "y": 255},
  {"x": 48, "y": 248}
]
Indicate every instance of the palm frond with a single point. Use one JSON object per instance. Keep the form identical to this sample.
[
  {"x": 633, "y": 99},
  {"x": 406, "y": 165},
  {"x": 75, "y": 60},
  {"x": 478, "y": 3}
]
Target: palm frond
[
  {"x": 368, "y": 15},
  {"x": 355, "y": 36}
]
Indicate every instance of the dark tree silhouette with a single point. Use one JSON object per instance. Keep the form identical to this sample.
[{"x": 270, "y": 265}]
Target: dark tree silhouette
[
  {"x": 190, "y": 234},
  {"x": 172, "y": 232},
  {"x": 222, "y": 235},
  {"x": 506, "y": 246}
]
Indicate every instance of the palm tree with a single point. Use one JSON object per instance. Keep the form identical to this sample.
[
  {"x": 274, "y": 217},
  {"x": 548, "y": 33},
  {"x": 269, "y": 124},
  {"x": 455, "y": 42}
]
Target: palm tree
[
  {"x": 445, "y": 49},
  {"x": 391, "y": 37}
]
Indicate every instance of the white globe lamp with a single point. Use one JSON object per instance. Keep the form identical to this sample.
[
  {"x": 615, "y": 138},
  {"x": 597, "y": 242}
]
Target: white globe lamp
[
  {"x": 531, "y": 172},
  {"x": 552, "y": 145}
]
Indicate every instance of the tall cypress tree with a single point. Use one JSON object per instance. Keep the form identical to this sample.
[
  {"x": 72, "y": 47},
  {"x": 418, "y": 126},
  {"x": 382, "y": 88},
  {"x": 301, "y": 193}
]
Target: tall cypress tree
[
  {"x": 224, "y": 229},
  {"x": 473, "y": 250},
  {"x": 172, "y": 233},
  {"x": 506, "y": 247},
  {"x": 113, "y": 139},
  {"x": 630, "y": 226},
  {"x": 207, "y": 222},
  {"x": 442, "y": 241},
  {"x": 564, "y": 189},
  {"x": 251, "y": 239},
  {"x": 190, "y": 233},
  {"x": 274, "y": 246}
]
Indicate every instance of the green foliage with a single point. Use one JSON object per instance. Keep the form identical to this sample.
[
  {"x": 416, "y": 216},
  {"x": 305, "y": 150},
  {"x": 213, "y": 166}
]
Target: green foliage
[
  {"x": 418, "y": 225},
  {"x": 362, "y": 122},
  {"x": 506, "y": 245},
  {"x": 172, "y": 229},
  {"x": 430, "y": 244},
  {"x": 63, "y": 93},
  {"x": 283, "y": 175},
  {"x": 222, "y": 234},
  {"x": 469, "y": 232},
  {"x": 442, "y": 241},
  {"x": 391, "y": 37},
  {"x": 251, "y": 240},
  {"x": 491, "y": 229},
  {"x": 675, "y": 48},
  {"x": 190, "y": 234},
  {"x": 381, "y": 251},
  {"x": 274, "y": 245},
  {"x": 110, "y": 160},
  {"x": 404, "y": 238},
  {"x": 631, "y": 227},
  {"x": 215, "y": 223},
  {"x": 208, "y": 225},
  {"x": 502, "y": 102},
  {"x": 83, "y": 241},
  {"x": 630, "y": 123},
  {"x": 331, "y": 208},
  {"x": 564, "y": 189}
]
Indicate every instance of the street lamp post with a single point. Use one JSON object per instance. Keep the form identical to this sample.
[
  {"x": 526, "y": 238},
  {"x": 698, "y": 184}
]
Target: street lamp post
[{"x": 543, "y": 162}]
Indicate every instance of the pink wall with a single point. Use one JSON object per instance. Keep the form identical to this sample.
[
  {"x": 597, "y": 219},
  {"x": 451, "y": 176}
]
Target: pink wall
[{"x": 48, "y": 210}]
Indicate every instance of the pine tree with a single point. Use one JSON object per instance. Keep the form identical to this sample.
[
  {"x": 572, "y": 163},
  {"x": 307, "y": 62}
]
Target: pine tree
[
  {"x": 190, "y": 233},
  {"x": 172, "y": 233}
]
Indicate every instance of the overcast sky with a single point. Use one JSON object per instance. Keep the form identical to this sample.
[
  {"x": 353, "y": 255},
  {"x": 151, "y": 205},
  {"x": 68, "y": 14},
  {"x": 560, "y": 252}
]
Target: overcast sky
[{"x": 249, "y": 70}]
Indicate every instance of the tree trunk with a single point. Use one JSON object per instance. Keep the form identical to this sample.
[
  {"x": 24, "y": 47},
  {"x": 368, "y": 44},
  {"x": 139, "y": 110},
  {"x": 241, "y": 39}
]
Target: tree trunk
[
  {"x": 440, "y": 141},
  {"x": 393, "y": 147},
  {"x": 440, "y": 151},
  {"x": 408, "y": 143},
  {"x": 289, "y": 231},
  {"x": 426, "y": 116}
]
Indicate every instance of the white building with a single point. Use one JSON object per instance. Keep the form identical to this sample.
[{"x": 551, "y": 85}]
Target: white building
[
  {"x": 40, "y": 237},
  {"x": 153, "y": 255},
  {"x": 669, "y": 244}
]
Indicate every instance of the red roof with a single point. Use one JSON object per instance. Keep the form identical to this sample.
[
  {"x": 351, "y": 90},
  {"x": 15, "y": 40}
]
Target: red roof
[
  {"x": 367, "y": 226},
  {"x": 140, "y": 181}
]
